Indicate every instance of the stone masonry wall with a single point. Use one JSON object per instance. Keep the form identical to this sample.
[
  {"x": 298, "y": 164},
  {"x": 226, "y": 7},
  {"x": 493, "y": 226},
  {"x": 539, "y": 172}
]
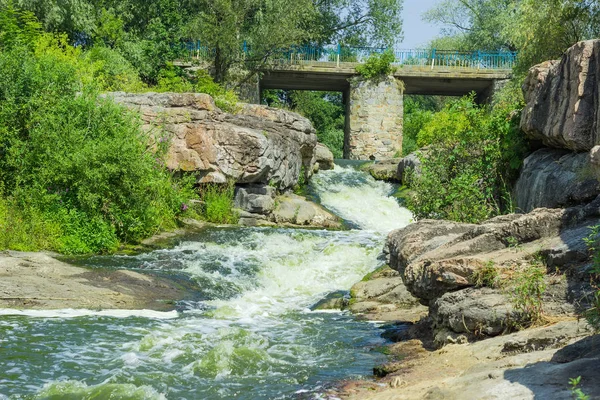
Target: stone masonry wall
[{"x": 374, "y": 122}]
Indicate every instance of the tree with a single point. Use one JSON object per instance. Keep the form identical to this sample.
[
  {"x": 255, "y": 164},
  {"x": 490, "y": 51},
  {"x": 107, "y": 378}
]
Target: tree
[{"x": 539, "y": 30}]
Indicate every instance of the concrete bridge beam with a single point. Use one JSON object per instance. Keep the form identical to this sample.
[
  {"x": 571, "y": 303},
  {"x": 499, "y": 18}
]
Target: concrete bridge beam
[{"x": 374, "y": 116}]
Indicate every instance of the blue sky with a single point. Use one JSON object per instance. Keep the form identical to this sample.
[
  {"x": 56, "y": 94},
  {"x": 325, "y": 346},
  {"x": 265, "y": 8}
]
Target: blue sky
[{"x": 416, "y": 31}]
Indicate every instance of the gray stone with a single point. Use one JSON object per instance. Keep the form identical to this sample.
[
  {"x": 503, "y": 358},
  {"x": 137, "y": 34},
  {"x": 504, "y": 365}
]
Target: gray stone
[
  {"x": 291, "y": 209},
  {"x": 374, "y": 125},
  {"x": 410, "y": 164},
  {"x": 555, "y": 178},
  {"x": 323, "y": 157},
  {"x": 257, "y": 144},
  {"x": 384, "y": 170},
  {"x": 437, "y": 257},
  {"x": 563, "y": 99},
  {"x": 257, "y": 199}
]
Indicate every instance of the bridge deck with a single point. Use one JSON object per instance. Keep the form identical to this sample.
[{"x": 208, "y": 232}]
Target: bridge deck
[{"x": 439, "y": 80}]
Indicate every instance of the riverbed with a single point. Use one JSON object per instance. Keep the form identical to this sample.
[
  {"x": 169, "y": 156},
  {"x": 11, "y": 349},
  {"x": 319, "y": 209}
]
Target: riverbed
[{"x": 249, "y": 334}]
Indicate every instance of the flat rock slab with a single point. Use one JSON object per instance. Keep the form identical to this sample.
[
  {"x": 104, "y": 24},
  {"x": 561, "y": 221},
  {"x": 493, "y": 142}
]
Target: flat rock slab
[
  {"x": 531, "y": 364},
  {"x": 39, "y": 281}
]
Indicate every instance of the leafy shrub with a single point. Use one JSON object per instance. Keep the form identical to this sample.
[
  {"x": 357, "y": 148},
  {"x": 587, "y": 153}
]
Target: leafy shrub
[
  {"x": 170, "y": 79},
  {"x": 218, "y": 203},
  {"x": 527, "y": 292},
  {"x": 334, "y": 140},
  {"x": 78, "y": 175},
  {"x": 487, "y": 275},
  {"x": 112, "y": 72},
  {"x": 377, "y": 65},
  {"x": 224, "y": 99},
  {"x": 474, "y": 154},
  {"x": 592, "y": 242}
]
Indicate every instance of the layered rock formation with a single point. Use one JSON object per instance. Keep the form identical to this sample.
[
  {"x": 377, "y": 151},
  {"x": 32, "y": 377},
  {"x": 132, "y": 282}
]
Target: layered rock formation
[
  {"x": 257, "y": 144},
  {"x": 441, "y": 263},
  {"x": 563, "y": 112},
  {"x": 563, "y": 99},
  {"x": 556, "y": 178}
]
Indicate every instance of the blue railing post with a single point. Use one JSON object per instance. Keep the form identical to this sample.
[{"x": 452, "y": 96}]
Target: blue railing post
[{"x": 432, "y": 58}]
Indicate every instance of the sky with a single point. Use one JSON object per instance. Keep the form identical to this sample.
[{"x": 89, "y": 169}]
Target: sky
[{"x": 416, "y": 31}]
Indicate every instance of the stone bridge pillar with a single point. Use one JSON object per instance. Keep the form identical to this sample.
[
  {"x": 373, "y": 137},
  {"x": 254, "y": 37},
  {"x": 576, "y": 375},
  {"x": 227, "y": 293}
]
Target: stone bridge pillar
[{"x": 374, "y": 114}]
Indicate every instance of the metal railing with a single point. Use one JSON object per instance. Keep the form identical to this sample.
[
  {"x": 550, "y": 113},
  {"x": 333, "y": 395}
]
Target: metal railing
[{"x": 344, "y": 56}]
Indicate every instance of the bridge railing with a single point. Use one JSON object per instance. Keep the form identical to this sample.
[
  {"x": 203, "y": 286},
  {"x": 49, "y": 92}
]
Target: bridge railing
[{"x": 344, "y": 56}]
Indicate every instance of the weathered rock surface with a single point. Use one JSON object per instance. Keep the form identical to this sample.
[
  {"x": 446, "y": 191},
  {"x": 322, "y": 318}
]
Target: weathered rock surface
[
  {"x": 256, "y": 199},
  {"x": 436, "y": 257},
  {"x": 323, "y": 158},
  {"x": 257, "y": 144},
  {"x": 531, "y": 364},
  {"x": 383, "y": 170},
  {"x": 382, "y": 296},
  {"x": 39, "y": 281},
  {"x": 556, "y": 178},
  {"x": 292, "y": 209},
  {"x": 563, "y": 99},
  {"x": 261, "y": 207},
  {"x": 440, "y": 261}
]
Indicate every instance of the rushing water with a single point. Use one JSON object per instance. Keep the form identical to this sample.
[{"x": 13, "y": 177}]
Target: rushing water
[{"x": 252, "y": 336}]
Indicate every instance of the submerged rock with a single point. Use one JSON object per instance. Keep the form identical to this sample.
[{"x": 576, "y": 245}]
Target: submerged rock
[
  {"x": 383, "y": 170},
  {"x": 257, "y": 144},
  {"x": 547, "y": 170}
]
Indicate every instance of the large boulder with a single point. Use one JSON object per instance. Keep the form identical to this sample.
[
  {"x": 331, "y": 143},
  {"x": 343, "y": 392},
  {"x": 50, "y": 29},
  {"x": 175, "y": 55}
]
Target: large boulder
[
  {"x": 555, "y": 178},
  {"x": 563, "y": 99},
  {"x": 438, "y": 257},
  {"x": 257, "y": 144}
]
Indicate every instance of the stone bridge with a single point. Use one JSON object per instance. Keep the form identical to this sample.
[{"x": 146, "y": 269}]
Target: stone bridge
[{"x": 374, "y": 108}]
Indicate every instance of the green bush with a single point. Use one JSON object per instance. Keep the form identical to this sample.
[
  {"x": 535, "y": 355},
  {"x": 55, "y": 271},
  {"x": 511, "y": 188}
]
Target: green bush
[
  {"x": 377, "y": 65},
  {"x": 77, "y": 173},
  {"x": 218, "y": 203},
  {"x": 171, "y": 79},
  {"x": 112, "y": 72},
  {"x": 527, "y": 292},
  {"x": 224, "y": 99},
  {"x": 474, "y": 154}
]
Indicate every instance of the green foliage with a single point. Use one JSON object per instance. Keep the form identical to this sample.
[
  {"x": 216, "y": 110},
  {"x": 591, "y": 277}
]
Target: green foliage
[
  {"x": 112, "y": 72},
  {"x": 487, "y": 275},
  {"x": 300, "y": 187},
  {"x": 325, "y": 110},
  {"x": 171, "y": 79},
  {"x": 576, "y": 391},
  {"x": 76, "y": 170},
  {"x": 592, "y": 242},
  {"x": 418, "y": 112},
  {"x": 527, "y": 291},
  {"x": 225, "y": 99},
  {"x": 377, "y": 65},
  {"x": 218, "y": 203},
  {"x": 539, "y": 31},
  {"x": 474, "y": 153}
]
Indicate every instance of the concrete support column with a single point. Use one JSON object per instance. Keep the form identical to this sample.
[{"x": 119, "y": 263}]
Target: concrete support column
[{"x": 374, "y": 114}]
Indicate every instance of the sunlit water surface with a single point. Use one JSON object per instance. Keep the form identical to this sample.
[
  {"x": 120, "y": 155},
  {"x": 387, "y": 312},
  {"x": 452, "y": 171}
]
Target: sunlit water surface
[{"x": 252, "y": 336}]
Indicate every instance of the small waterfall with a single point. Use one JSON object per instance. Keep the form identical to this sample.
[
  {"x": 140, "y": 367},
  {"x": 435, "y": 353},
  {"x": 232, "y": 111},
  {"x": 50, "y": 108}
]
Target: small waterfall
[{"x": 254, "y": 337}]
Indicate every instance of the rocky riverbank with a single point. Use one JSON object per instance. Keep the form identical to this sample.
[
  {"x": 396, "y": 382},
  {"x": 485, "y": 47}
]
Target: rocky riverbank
[{"x": 42, "y": 282}]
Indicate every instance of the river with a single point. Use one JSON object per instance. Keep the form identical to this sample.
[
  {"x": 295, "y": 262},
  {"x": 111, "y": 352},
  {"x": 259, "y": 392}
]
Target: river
[{"x": 251, "y": 334}]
